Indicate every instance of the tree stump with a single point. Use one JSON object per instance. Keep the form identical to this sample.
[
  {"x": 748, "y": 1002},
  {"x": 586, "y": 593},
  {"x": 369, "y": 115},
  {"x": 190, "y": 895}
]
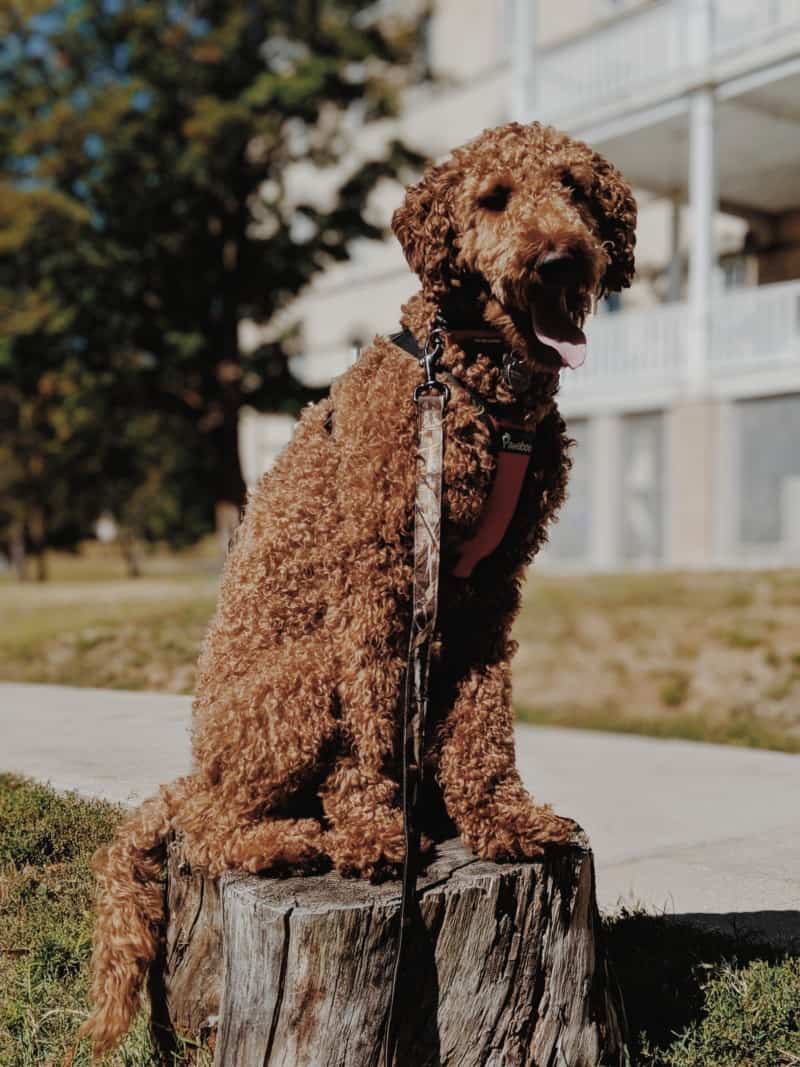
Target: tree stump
[{"x": 508, "y": 970}]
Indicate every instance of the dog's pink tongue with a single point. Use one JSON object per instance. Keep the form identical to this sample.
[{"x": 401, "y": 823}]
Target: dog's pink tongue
[{"x": 554, "y": 329}]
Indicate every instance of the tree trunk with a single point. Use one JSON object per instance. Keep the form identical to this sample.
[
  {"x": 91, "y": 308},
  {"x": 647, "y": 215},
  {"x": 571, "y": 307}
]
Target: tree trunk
[
  {"x": 18, "y": 553},
  {"x": 37, "y": 532},
  {"x": 129, "y": 553},
  {"x": 508, "y": 969},
  {"x": 231, "y": 488}
]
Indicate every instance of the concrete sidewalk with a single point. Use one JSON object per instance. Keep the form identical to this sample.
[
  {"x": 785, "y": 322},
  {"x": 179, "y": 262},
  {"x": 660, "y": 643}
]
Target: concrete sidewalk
[{"x": 675, "y": 825}]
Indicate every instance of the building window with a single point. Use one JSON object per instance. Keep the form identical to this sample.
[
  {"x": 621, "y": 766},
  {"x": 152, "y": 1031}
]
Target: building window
[
  {"x": 643, "y": 482},
  {"x": 768, "y": 446},
  {"x": 736, "y": 271}
]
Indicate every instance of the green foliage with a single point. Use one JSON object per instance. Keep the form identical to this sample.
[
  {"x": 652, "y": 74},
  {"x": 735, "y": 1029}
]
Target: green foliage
[
  {"x": 148, "y": 150},
  {"x": 698, "y": 997},
  {"x": 40, "y": 827},
  {"x": 752, "y": 1016}
]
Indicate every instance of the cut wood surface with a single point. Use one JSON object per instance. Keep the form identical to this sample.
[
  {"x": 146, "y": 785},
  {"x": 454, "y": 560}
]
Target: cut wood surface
[{"x": 508, "y": 967}]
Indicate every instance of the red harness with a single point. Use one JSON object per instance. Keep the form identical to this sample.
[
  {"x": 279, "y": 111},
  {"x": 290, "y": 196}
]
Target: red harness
[{"x": 513, "y": 447}]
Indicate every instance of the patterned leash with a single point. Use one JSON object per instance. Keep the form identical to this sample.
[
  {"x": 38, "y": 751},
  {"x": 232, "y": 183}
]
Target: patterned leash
[{"x": 431, "y": 399}]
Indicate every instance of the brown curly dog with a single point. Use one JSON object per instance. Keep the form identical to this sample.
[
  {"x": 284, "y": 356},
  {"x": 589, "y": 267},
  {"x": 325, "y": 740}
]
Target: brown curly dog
[{"x": 297, "y": 711}]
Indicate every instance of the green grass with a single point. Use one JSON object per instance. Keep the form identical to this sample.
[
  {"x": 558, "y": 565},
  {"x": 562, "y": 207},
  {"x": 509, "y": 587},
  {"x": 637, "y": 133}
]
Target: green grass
[
  {"x": 46, "y": 904},
  {"x": 707, "y": 657},
  {"x": 46, "y": 842},
  {"x": 742, "y": 727},
  {"x": 693, "y": 998}
]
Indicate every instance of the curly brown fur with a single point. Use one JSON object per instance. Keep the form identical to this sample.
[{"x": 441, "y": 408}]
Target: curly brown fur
[{"x": 296, "y": 727}]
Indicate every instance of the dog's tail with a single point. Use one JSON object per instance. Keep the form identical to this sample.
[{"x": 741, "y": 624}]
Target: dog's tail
[{"x": 130, "y": 920}]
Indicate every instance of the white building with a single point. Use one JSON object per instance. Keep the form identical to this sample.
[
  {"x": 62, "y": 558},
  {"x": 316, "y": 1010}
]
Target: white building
[{"x": 687, "y": 412}]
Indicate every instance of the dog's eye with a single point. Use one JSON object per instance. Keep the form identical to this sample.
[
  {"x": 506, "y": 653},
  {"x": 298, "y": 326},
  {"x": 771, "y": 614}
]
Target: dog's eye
[
  {"x": 496, "y": 198},
  {"x": 569, "y": 181}
]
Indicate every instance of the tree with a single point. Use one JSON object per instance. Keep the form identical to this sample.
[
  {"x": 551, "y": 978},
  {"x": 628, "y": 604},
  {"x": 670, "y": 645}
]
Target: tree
[{"x": 165, "y": 134}]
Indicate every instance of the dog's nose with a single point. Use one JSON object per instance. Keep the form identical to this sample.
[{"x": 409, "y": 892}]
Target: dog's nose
[{"x": 555, "y": 268}]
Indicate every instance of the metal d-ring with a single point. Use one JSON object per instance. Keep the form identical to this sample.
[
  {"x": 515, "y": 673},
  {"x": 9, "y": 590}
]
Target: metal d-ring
[
  {"x": 431, "y": 386},
  {"x": 434, "y": 347},
  {"x": 517, "y": 372}
]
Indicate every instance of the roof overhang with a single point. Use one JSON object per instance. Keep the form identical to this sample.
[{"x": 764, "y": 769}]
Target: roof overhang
[{"x": 758, "y": 142}]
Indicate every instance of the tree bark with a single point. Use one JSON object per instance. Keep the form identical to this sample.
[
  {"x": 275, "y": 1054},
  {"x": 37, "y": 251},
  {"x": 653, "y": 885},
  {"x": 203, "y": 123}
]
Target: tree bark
[
  {"x": 18, "y": 552},
  {"x": 37, "y": 532},
  {"x": 130, "y": 556},
  {"x": 508, "y": 969}
]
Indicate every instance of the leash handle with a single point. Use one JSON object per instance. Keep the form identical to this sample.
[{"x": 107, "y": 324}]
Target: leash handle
[{"x": 431, "y": 398}]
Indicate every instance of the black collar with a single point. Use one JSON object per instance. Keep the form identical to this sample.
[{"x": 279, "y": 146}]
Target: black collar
[
  {"x": 406, "y": 340},
  {"x": 478, "y": 339}
]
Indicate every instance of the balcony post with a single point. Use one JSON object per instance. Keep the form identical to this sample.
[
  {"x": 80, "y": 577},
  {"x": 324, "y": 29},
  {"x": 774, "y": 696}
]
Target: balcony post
[
  {"x": 702, "y": 199},
  {"x": 675, "y": 270},
  {"x": 702, "y": 253},
  {"x": 523, "y": 60}
]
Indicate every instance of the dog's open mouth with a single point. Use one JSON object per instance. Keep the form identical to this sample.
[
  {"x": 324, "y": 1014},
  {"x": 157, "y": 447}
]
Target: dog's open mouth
[{"x": 553, "y": 328}]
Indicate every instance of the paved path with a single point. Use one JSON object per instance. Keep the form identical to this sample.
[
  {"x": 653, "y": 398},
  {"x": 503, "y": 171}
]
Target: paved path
[{"x": 675, "y": 825}]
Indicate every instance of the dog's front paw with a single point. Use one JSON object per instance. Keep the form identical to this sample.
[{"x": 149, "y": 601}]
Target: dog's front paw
[
  {"x": 380, "y": 859},
  {"x": 369, "y": 848},
  {"x": 526, "y": 836}
]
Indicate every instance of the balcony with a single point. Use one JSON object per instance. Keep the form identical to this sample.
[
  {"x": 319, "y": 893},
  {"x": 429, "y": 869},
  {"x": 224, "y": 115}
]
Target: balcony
[
  {"x": 639, "y": 359},
  {"x": 658, "y": 53}
]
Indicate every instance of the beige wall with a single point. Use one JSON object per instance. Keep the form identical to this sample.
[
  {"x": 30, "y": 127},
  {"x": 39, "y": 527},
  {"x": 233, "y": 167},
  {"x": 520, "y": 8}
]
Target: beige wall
[{"x": 468, "y": 36}]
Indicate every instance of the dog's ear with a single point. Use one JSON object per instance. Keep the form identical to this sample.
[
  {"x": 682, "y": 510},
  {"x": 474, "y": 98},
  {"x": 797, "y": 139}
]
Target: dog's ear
[
  {"x": 423, "y": 227},
  {"x": 614, "y": 207}
]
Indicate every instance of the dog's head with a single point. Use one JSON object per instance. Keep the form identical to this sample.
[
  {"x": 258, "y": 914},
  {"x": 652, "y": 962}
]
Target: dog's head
[{"x": 528, "y": 224}]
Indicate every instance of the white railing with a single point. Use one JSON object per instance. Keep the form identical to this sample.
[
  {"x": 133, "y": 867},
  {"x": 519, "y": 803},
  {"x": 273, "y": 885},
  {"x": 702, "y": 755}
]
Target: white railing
[
  {"x": 645, "y": 351},
  {"x": 756, "y": 328},
  {"x": 748, "y": 22},
  {"x": 621, "y": 61},
  {"x": 613, "y": 61},
  {"x": 632, "y": 349}
]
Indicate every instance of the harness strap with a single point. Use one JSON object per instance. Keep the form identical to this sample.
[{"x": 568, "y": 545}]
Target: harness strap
[
  {"x": 513, "y": 448},
  {"x": 512, "y": 444},
  {"x": 430, "y": 398}
]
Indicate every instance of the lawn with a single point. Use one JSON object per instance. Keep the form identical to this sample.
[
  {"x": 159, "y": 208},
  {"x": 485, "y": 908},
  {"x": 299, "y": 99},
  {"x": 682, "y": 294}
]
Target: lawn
[
  {"x": 705, "y": 656},
  {"x": 693, "y": 999},
  {"x": 92, "y": 626},
  {"x": 712, "y": 657}
]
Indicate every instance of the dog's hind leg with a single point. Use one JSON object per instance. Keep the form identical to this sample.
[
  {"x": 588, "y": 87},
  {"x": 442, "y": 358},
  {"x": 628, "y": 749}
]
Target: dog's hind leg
[
  {"x": 292, "y": 846},
  {"x": 262, "y": 741},
  {"x": 261, "y": 734}
]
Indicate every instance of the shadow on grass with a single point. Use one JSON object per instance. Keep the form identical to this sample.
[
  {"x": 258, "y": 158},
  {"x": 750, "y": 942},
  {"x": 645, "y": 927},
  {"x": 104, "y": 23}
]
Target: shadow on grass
[{"x": 698, "y": 988}]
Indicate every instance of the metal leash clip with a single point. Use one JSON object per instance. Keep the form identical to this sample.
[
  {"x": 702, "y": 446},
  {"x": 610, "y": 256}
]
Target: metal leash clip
[{"x": 434, "y": 347}]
